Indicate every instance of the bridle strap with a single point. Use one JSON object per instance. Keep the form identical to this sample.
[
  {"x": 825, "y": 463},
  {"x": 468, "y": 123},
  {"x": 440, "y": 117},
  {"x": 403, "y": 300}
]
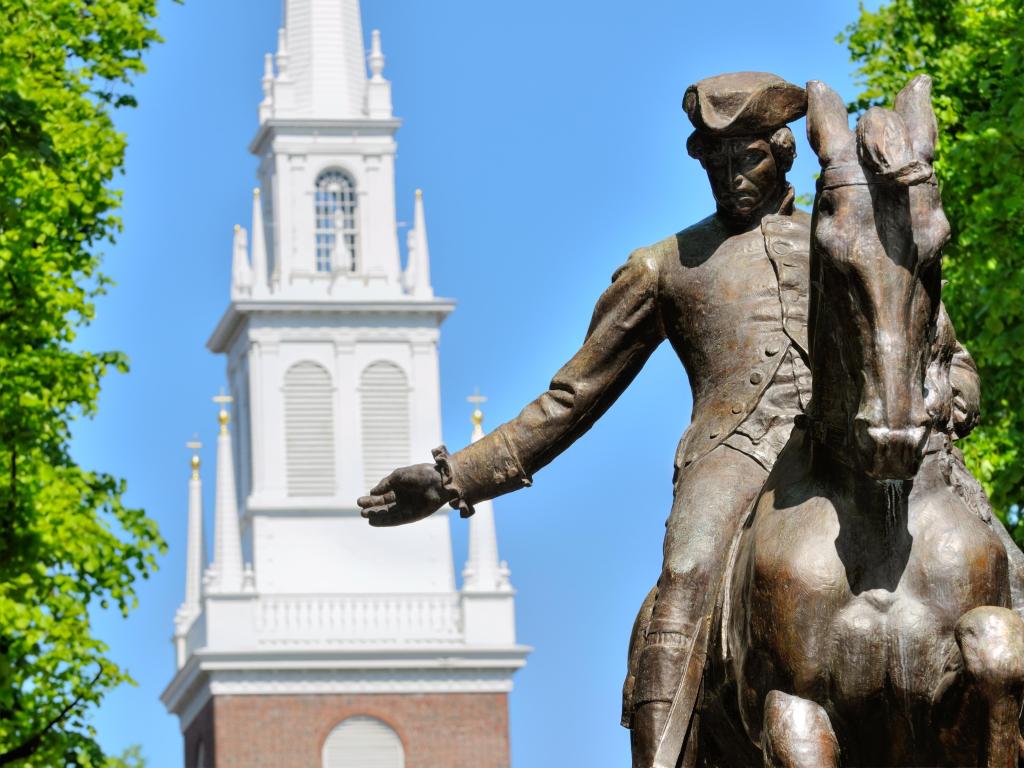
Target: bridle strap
[{"x": 852, "y": 175}]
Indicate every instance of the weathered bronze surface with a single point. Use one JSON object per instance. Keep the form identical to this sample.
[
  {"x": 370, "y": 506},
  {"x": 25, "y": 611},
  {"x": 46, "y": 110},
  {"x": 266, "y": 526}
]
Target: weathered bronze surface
[{"x": 863, "y": 614}]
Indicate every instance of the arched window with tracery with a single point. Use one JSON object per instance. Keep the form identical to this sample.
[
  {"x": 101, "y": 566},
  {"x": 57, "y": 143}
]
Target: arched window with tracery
[
  {"x": 363, "y": 742},
  {"x": 309, "y": 430},
  {"x": 337, "y": 230}
]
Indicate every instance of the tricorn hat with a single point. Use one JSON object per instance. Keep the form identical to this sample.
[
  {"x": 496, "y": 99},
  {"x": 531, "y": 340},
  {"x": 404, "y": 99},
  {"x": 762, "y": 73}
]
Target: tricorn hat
[{"x": 743, "y": 104}]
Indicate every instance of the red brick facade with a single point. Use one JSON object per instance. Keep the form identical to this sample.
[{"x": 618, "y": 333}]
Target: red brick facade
[{"x": 453, "y": 730}]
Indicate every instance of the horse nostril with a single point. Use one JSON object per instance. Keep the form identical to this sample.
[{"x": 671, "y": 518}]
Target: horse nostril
[
  {"x": 887, "y": 452},
  {"x": 863, "y": 432}
]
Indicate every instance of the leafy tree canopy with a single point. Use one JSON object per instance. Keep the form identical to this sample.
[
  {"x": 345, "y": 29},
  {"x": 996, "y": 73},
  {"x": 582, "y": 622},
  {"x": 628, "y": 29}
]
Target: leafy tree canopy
[
  {"x": 974, "y": 51},
  {"x": 67, "y": 542}
]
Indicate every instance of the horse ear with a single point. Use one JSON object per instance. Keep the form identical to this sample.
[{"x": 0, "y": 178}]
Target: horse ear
[
  {"x": 914, "y": 105},
  {"x": 828, "y": 127}
]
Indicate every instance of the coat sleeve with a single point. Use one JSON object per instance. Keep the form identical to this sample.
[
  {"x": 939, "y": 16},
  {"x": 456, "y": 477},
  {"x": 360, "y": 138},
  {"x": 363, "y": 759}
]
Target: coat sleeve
[{"x": 626, "y": 328}]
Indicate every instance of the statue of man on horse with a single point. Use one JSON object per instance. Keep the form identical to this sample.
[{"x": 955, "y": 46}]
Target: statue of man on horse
[{"x": 732, "y": 294}]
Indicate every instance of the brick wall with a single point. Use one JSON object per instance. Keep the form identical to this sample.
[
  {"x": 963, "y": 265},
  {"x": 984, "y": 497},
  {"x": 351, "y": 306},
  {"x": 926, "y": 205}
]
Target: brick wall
[
  {"x": 200, "y": 731},
  {"x": 454, "y": 730}
]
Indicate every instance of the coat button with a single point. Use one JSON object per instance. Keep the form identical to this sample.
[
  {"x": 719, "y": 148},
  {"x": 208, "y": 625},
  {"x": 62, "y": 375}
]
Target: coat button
[
  {"x": 712, "y": 436},
  {"x": 737, "y": 408},
  {"x": 771, "y": 350},
  {"x": 756, "y": 377}
]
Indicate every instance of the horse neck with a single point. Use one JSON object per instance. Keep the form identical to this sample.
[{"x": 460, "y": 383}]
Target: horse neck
[{"x": 832, "y": 387}]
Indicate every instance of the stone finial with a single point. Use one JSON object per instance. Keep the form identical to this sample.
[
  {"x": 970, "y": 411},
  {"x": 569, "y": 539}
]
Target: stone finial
[{"x": 376, "y": 57}]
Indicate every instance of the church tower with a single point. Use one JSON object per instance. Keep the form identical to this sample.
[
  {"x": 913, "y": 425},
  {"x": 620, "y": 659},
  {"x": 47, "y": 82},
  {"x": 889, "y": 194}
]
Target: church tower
[{"x": 312, "y": 639}]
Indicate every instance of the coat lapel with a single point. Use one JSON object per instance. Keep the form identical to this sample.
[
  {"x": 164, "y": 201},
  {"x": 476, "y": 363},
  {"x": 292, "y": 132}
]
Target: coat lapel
[{"x": 787, "y": 240}]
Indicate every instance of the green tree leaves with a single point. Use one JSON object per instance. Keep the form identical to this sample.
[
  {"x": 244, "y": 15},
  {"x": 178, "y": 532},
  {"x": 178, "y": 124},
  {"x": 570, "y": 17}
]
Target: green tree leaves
[
  {"x": 974, "y": 51},
  {"x": 67, "y": 542}
]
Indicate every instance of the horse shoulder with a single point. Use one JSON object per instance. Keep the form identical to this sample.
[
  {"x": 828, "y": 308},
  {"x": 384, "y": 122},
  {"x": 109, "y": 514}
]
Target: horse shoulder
[{"x": 956, "y": 549}]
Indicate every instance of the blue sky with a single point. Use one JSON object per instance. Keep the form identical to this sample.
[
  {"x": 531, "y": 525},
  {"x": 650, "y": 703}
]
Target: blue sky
[{"x": 549, "y": 141}]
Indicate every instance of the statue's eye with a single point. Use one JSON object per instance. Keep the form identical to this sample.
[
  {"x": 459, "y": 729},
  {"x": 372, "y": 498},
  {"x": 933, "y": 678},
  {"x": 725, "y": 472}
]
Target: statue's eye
[{"x": 826, "y": 205}]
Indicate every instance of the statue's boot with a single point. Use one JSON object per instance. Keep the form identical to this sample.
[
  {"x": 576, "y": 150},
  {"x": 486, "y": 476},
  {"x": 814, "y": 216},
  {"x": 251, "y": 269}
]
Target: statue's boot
[{"x": 658, "y": 678}]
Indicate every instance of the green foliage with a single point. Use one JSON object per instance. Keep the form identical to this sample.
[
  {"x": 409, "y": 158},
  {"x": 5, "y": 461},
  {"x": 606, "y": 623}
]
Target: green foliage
[
  {"x": 130, "y": 758},
  {"x": 67, "y": 543},
  {"x": 974, "y": 51}
]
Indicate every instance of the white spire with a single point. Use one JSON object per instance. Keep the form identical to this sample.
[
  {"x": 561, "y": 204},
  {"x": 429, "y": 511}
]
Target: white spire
[
  {"x": 195, "y": 559},
  {"x": 226, "y": 571},
  {"x": 324, "y": 59},
  {"x": 282, "y": 54},
  {"x": 483, "y": 571},
  {"x": 376, "y": 57},
  {"x": 378, "y": 90},
  {"x": 241, "y": 274},
  {"x": 267, "y": 105},
  {"x": 417, "y": 272},
  {"x": 195, "y": 555},
  {"x": 259, "y": 244}
]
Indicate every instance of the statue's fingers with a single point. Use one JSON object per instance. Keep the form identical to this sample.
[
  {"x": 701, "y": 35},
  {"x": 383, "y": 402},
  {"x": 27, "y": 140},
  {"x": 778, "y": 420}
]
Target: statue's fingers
[
  {"x": 382, "y": 487},
  {"x": 389, "y": 497},
  {"x": 373, "y": 501},
  {"x": 386, "y": 517},
  {"x": 374, "y": 512}
]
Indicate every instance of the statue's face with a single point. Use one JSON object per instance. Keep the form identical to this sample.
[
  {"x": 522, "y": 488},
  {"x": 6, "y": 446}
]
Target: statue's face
[{"x": 743, "y": 174}]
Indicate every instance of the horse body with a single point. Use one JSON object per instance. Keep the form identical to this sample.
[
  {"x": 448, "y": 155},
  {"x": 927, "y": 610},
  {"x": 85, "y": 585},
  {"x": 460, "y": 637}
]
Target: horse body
[{"x": 851, "y": 600}]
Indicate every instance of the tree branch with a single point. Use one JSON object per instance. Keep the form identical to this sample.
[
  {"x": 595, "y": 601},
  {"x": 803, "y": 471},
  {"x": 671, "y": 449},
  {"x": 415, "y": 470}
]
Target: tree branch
[{"x": 28, "y": 747}]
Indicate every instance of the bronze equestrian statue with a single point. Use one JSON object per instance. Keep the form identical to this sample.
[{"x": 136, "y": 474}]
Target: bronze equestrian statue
[
  {"x": 730, "y": 294},
  {"x": 868, "y": 616}
]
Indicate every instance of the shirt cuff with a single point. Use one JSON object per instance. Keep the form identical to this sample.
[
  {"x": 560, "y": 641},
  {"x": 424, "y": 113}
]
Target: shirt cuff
[{"x": 444, "y": 467}]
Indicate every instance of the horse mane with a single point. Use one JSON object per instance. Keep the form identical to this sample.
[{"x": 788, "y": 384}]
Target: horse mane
[{"x": 884, "y": 146}]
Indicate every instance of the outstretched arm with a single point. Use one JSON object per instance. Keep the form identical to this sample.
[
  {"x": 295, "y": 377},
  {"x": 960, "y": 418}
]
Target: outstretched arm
[{"x": 625, "y": 329}]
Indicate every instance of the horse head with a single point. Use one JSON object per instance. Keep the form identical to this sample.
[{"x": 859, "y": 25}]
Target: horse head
[{"x": 877, "y": 231}]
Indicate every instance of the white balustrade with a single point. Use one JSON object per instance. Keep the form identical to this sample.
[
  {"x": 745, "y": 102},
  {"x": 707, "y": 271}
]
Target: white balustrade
[{"x": 305, "y": 620}]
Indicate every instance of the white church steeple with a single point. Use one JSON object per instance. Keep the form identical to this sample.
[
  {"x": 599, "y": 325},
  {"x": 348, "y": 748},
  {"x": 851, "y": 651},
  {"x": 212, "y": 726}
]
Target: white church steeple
[
  {"x": 327, "y": 171},
  {"x": 331, "y": 350}
]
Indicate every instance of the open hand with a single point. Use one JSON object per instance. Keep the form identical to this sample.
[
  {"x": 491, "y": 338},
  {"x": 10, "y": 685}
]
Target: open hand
[{"x": 406, "y": 495}]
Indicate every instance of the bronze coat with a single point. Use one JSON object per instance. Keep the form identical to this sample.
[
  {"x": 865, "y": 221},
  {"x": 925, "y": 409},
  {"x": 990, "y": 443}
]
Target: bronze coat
[{"x": 730, "y": 307}]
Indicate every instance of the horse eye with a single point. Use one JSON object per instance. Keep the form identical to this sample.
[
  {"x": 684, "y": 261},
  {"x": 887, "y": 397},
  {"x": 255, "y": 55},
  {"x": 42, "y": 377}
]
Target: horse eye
[{"x": 826, "y": 205}]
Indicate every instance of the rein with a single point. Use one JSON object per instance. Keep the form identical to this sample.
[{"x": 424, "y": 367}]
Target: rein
[{"x": 852, "y": 175}]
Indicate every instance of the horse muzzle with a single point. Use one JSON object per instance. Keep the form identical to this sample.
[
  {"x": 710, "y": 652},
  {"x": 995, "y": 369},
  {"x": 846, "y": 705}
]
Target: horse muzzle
[{"x": 888, "y": 453}]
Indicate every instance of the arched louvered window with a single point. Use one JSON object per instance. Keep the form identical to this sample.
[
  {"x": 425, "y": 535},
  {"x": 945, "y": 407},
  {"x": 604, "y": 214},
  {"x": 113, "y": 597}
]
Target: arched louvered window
[
  {"x": 385, "y": 404},
  {"x": 309, "y": 430},
  {"x": 337, "y": 234},
  {"x": 363, "y": 742}
]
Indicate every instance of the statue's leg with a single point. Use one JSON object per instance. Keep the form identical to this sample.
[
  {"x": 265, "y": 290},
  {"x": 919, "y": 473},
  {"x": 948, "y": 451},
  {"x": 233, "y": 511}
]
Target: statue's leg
[
  {"x": 991, "y": 642},
  {"x": 637, "y": 638},
  {"x": 711, "y": 499},
  {"x": 797, "y": 734}
]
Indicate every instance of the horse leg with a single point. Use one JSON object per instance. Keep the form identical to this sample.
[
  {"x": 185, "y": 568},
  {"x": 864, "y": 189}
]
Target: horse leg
[
  {"x": 797, "y": 734},
  {"x": 991, "y": 642}
]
